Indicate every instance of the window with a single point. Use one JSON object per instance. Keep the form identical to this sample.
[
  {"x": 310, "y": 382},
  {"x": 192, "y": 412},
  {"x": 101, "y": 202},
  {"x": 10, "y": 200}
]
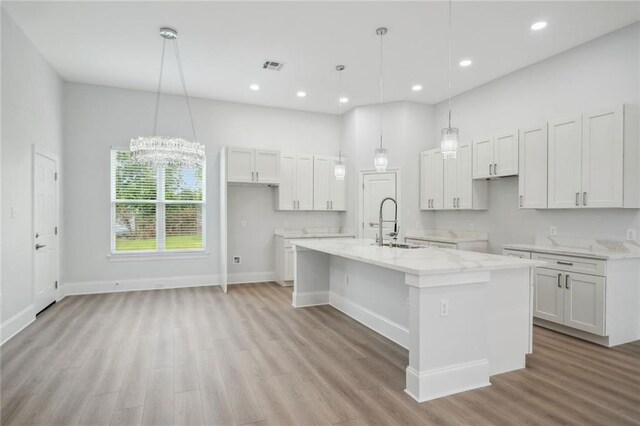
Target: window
[{"x": 155, "y": 210}]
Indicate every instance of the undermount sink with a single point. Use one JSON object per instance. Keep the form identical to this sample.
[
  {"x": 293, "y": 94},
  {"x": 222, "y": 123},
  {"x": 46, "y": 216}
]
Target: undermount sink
[{"x": 399, "y": 245}]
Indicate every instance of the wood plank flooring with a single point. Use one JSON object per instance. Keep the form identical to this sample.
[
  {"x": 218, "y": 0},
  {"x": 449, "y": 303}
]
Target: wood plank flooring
[{"x": 197, "y": 356}]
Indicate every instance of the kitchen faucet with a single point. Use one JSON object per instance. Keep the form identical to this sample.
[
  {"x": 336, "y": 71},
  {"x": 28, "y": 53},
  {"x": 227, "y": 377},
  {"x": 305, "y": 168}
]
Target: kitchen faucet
[{"x": 394, "y": 233}]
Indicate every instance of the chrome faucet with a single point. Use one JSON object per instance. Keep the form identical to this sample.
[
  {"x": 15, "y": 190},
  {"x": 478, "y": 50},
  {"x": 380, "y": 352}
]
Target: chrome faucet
[{"x": 394, "y": 233}]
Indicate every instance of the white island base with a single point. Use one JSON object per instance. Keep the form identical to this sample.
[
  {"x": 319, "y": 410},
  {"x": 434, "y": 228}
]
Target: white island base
[{"x": 463, "y": 316}]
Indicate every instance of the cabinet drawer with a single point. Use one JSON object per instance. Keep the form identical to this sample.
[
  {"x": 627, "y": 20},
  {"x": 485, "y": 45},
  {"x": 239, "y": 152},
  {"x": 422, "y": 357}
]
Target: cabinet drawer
[{"x": 573, "y": 264}]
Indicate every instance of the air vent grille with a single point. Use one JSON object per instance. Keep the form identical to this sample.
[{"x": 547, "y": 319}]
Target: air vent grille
[{"x": 272, "y": 65}]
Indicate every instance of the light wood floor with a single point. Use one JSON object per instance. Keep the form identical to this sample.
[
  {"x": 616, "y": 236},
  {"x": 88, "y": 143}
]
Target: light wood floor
[{"x": 197, "y": 356}]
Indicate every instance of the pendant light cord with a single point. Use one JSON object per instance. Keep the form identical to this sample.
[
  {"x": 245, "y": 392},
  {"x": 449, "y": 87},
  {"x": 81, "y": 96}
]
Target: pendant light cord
[
  {"x": 450, "y": 1},
  {"x": 184, "y": 86},
  {"x": 155, "y": 118},
  {"x": 380, "y": 100},
  {"x": 340, "y": 115}
]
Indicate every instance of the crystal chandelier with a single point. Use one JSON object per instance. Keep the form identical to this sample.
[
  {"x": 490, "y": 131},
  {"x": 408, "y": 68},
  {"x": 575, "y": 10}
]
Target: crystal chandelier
[
  {"x": 340, "y": 170},
  {"x": 449, "y": 135},
  {"x": 163, "y": 151},
  {"x": 380, "y": 160}
]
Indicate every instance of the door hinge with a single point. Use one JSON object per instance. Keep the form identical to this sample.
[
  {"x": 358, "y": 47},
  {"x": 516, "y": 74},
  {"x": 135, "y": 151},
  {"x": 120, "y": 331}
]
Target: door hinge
[
  {"x": 56, "y": 285},
  {"x": 55, "y": 176},
  {"x": 55, "y": 230}
]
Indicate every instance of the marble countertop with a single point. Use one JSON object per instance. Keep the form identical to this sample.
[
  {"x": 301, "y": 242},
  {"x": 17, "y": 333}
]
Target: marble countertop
[
  {"x": 312, "y": 233},
  {"x": 594, "y": 249},
  {"x": 418, "y": 261},
  {"x": 447, "y": 236}
]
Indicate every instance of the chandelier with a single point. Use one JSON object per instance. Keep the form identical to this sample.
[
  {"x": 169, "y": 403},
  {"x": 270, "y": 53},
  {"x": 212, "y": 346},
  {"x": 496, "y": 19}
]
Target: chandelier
[
  {"x": 340, "y": 169},
  {"x": 164, "y": 151},
  {"x": 380, "y": 159},
  {"x": 449, "y": 135}
]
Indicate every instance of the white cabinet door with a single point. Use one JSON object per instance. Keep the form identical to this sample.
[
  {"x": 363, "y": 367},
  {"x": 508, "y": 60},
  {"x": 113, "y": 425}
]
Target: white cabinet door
[
  {"x": 337, "y": 188},
  {"x": 548, "y": 292},
  {"x": 505, "y": 154},
  {"x": 482, "y": 157},
  {"x": 240, "y": 165},
  {"x": 304, "y": 182},
  {"x": 584, "y": 302},
  {"x": 426, "y": 180},
  {"x": 287, "y": 188},
  {"x": 450, "y": 182},
  {"x": 267, "y": 166},
  {"x": 465, "y": 178},
  {"x": 437, "y": 196},
  {"x": 288, "y": 264},
  {"x": 532, "y": 173},
  {"x": 602, "y": 158},
  {"x": 321, "y": 195},
  {"x": 565, "y": 163}
]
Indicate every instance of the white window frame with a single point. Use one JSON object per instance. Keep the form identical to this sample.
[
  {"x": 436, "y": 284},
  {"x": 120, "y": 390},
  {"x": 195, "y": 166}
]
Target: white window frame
[{"x": 160, "y": 204}]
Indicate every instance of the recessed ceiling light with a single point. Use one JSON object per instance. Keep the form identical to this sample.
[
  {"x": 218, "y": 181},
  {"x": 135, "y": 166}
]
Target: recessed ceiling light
[
  {"x": 538, "y": 25},
  {"x": 254, "y": 87},
  {"x": 344, "y": 100},
  {"x": 465, "y": 62},
  {"x": 301, "y": 94},
  {"x": 416, "y": 88}
]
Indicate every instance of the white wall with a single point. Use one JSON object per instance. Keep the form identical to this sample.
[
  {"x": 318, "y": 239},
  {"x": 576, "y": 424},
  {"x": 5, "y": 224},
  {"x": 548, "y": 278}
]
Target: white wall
[
  {"x": 32, "y": 114},
  {"x": 408, "y": 128},
  {"x": 601, "y": 73},
  {"x": 97, "y": 118}
]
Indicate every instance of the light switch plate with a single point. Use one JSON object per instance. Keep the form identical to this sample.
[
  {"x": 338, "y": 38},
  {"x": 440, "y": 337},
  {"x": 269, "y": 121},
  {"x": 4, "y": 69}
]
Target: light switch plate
[
  {"x": 632, "y": 234},
  {"x": 236, "y": 260}
]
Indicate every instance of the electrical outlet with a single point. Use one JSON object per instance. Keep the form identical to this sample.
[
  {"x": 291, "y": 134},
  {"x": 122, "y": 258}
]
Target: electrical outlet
[
  {"x": 236, "y": 260},
  {"x": 444, "y": 308},
  {"x": 632, "y": 234},
  {"x": 553, "y": 231}
]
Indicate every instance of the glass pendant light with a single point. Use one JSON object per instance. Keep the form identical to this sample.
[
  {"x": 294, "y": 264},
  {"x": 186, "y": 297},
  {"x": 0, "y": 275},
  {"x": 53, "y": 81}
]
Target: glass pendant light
[
  {"x": 163, "y": 151},
  {"x": 449, "y": 135},
  {"x": 340, "y": 168},
  {"x": 380, "y": 159}
]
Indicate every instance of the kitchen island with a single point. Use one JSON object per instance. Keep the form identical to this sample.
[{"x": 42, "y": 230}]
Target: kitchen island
[{"x": 463, "y": 316}]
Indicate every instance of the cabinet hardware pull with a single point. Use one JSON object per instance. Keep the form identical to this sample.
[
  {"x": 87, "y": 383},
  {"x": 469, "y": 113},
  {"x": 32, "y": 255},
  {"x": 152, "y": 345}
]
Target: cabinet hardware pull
[
  {"x": 430, "y": 203},
  {"x": 298, "y": 204},
  {"x": 294, "y": 204},
  {"x": 584, "y": 198},
  {"x": 257, "y": 178},
  {"x": 495, "y": 168},
  {"x": 458, "y": 203},
  {"x": 559, "y": 262},
  {"x": 331, "y": 204},
  {"x": 577, "y": 198},
  {"x": 559, "y": 279},
  {"x": 454, "y": 202},
  {"x": 252, "y": 173},
  {"x": 489, "y": 169},
  {"x": 566, "y": 281},
  {"x": 327, "y": 205},
  {"x": 521, "y": 201}
]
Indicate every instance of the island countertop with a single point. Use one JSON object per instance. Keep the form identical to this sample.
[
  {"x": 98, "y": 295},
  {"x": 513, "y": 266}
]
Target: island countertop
[{"x": 416, "y": 261}]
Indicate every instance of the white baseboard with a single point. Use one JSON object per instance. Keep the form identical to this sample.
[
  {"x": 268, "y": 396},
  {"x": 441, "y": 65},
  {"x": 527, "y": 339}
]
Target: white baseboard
[
  {"x": 115, "y": 286},
  {"x": 251, "y": 277},
  {"x": 311, "y": 298},
  {"x": 389, "y": 329},
  {"x": 17, "y": 323}
]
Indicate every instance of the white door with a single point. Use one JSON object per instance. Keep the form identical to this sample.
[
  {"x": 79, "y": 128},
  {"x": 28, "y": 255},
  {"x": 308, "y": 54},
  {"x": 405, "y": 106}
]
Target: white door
[
  {"x": 377, "y": 186},
  {"x": 426, "y": 181},
  {"x": 532, "y": 176},
  {"x": 465, "y": 179},
  {"x": 584, "y": 302},
  {"x": 482, "y": 157},
  {"x": 602, "y": 158},
  {"x": 304, "y": 182},
  {"x": 505, "y": 154},
  {"x": 321, "y": 171},
  {"x": 45, "y": 238},
  {"x": 548, "y": 293},
  {"x": 565, "y": 163},
  {"x": 450, "y": 182},
  {"x": 286, "y": 189},
  {"x": 337, "y": 188},
  {"x": 267, "y": 166},
  {"x": 240, "y": 165}
]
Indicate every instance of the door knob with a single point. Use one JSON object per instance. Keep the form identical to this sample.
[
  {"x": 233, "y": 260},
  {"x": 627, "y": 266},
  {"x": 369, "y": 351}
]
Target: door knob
[{"x": 39, "y": 246}]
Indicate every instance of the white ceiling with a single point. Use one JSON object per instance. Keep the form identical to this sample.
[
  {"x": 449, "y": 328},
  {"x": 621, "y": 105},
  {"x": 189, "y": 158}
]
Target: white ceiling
[{"x": 223, "y": 44}]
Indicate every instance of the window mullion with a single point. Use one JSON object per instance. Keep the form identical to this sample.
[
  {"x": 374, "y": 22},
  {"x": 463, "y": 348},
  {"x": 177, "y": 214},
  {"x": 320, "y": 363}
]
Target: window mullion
[{"x": 160, "y": 211}]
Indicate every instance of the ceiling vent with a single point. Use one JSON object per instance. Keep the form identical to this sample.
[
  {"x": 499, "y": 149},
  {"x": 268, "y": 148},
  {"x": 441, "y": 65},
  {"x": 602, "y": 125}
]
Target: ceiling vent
[{"x": 272, "y": 65}]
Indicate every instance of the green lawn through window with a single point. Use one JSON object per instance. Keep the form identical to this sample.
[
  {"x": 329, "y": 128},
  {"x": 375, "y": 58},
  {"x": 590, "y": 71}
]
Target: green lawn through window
[{"x": 171, "y": 243}]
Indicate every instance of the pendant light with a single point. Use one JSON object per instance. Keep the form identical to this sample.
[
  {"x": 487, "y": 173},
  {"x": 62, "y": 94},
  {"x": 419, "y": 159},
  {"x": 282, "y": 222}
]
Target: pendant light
[
  {"x": 163, "y": 151},
  {"x": 340, "y": 168},
  {"x": 449, "y": 141},
  {"x": 380, "y": 159}
]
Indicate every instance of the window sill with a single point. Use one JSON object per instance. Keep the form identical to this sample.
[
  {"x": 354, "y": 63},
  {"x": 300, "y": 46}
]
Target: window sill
[{"x": 143, "y": 257}]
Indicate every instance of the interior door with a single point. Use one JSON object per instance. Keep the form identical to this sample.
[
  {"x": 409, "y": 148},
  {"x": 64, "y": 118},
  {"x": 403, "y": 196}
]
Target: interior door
[
  {"x": 584, "y": 302},
  {"x": 321, "y": 194},
  {"x": 548, "y": 295},
  {"x": 378, "y": 186},
  {"x": 482, "y": 157},
  {"x": 565, "y": 163},
  {"x": 602, "y": 158},
  {"x": 337, "y": 188},
  {"x": 532, "y": 177},
  {"x": 465, "y": 179},
  {"x": 267, "y": 166},
  {"x": 304, "y": 182},
  {"x": 45, "y": 237},
  {"x": 286, "y": 189},
  {"x": 505, "y": 154},
  {"x": 240, "y": 165}
]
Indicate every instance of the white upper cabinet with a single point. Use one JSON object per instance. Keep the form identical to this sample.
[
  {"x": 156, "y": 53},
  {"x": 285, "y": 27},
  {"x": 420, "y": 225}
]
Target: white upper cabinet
[
  {"x": 253, "y": 166},
  {"x": 337, "y": 188},
  {"x": 304, "y": 182},
  {"x": 431, "y": 180},
  {"x": 329, "y": 193},
  {"x": 287, "y": 188},
  {"x": 483, "y": 158},
  {"x": 495, "y": 156},
  {"x": 532, "y": 176},
  {"x": 565, "y": 163},
  {"x": 602, "y": 158}
]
